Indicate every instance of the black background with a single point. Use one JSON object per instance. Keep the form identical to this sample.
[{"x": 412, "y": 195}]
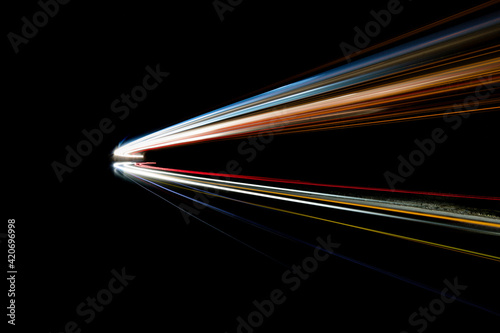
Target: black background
[{"x": 70, "y": 235}]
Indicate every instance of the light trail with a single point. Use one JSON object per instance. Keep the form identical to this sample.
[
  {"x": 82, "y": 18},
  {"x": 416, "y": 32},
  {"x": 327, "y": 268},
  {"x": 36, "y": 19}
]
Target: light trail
[
  {"x": 284, "y": 235},
  {"x": 406, "y": 83},
  {"x": 344, "y": 203},
  {"x": 277, "y": 180}
]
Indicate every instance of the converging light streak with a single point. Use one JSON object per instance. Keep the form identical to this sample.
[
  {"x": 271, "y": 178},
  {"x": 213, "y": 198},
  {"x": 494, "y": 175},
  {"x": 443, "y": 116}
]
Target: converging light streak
[
  {"x": 364, "y": 206},
  {"x": 357, "y": 93},
  {"x": 281, "y": 234},
  {"x": 127, "y": 169}
]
